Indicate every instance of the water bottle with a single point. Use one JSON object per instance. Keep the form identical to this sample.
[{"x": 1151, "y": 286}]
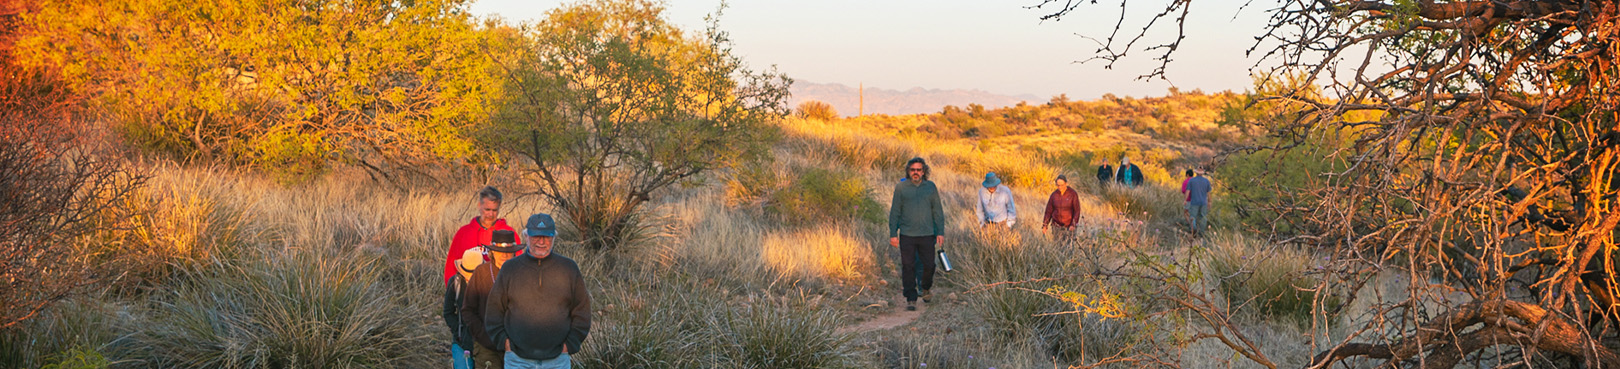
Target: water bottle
[{"x": 944, "y": 261}]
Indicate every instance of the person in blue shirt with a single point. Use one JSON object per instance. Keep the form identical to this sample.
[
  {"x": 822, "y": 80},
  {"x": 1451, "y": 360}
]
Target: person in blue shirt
[
  {"x": 995, "y": 203},
  {"x": 1198, "y": 203}
]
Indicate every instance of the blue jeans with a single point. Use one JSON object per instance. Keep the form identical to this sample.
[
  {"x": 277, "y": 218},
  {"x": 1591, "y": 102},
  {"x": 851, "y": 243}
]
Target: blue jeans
[
  {"x": 1199, "y": 216},
  {"x": 459, "y": 358},
  {"x": 513, "y": 361}
]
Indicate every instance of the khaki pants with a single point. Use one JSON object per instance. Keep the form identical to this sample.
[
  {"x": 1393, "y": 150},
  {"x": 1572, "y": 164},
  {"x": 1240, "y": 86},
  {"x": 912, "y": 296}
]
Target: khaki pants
[{"x": 484, "y": 358}]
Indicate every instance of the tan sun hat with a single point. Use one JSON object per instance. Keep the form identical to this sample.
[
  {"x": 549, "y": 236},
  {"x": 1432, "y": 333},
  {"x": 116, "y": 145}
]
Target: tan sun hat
[{"x": 469, "y": 261}]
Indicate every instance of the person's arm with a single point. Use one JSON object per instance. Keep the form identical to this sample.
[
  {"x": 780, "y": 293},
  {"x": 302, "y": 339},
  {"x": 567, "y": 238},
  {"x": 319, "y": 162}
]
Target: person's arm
[
  {"x": 452, "y": 310},
  {"x": 938, "y": 213},
  {"x": 1051, "y": 205},
  {"x": 579, "y": 318},
  {"x": 895, "y": 207},
  {"x": 1012, "y": 204},
  {"x": 495, "y": 311}
]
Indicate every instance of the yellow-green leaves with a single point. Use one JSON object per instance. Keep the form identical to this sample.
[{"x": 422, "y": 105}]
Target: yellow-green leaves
[{"x": 287, "y": 85}]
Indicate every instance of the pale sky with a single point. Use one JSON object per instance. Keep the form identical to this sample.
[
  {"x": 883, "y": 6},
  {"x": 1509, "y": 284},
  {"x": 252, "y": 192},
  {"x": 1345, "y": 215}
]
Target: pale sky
[{"x": 992, "y": 45}]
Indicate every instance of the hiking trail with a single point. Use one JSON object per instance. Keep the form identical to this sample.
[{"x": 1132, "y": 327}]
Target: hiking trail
[{"x": 893, "y": 319}]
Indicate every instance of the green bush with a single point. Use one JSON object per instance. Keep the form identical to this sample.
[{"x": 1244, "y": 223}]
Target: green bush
[
  {"x": 822, "y": 194},
  {"x": 1278, "y": 178}
]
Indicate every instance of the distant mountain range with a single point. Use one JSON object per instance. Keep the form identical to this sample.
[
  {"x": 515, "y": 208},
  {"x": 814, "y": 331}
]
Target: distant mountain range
[{"x": 893, "y": 102}]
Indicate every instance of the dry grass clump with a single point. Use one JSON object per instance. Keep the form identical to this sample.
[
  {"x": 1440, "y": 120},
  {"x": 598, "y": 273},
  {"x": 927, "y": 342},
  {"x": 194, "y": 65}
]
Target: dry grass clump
[
  {"x": 829, "y": 253},
  {"x": 851, "y": 146},
  {"x": 1260, "y": 278},
  {"x": 681, "y": 323},
  {"x": 963, "y": 350},
  {"x": 290, "y": 309}
]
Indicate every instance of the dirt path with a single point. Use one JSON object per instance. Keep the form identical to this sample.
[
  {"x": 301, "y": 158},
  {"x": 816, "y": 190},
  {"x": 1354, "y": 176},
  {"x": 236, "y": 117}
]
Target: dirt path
[{"x": 890, "y": 320}]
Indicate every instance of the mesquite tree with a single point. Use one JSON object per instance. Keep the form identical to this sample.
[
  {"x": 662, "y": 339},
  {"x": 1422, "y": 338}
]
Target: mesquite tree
[
  {"x": 610, "y": 103},
  {"x": 1485, "y": 176}
]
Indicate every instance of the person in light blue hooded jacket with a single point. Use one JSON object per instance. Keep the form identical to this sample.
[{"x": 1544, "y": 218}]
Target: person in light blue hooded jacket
[{"x": 996, "y": 205}]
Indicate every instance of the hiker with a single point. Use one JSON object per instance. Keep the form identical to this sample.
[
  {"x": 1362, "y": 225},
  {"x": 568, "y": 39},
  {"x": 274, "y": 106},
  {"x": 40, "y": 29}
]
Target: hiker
[
  {"x": 995, "y": 203},
  {"x": 1198, "y": 202},
  {"x": 916, "y": 226},
  {"x": 461, "y": 342},
  {"x": 486, "y": 353},
  {"x": 477, "y": 231},
  {"x": 538, "y": 309},
  {"x": 1061, "y": 208},
  {"x": 1105, "y": 174},
  {"x": 1129, "y": 174}
]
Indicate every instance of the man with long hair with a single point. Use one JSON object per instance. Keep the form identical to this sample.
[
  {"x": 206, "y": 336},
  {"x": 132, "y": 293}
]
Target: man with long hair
[{"x": 916, "y": 226}]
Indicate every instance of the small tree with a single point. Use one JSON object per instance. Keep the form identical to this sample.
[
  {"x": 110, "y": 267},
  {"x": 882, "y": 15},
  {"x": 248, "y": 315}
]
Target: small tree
[{"x": 610, "y": 103}]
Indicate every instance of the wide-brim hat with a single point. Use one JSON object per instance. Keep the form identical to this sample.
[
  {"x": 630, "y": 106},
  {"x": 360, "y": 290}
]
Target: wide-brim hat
[
  {"x": 470, "y": 260},
  {"x": 539, "y": 225},
  {"x": 991, "y": 180},
  {"x": 503, "y": 240}
]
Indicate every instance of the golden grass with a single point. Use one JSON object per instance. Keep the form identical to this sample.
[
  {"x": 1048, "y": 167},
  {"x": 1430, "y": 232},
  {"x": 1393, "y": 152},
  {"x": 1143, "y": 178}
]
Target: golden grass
[
  {"x": 714, "y": 236},
  {"x": 832, "y": 253}
]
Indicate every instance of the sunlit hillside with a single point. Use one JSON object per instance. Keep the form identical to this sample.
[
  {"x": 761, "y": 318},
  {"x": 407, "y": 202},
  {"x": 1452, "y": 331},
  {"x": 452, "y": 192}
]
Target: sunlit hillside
[{"x": 782, "y": 263}]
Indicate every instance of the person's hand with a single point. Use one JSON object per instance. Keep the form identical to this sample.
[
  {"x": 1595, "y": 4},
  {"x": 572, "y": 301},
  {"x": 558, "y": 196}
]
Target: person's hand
[
  {"x": 508, "y": 345},
  {"x": 939, "y": 240},
  {"x": 894, "y": 241},
  {"x": 1043, "y": 228},
  {"x": 565, "y": 347}
]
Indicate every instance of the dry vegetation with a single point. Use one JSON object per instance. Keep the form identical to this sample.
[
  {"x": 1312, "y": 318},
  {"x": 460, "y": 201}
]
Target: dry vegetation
[{"x": 229, "y": 268}]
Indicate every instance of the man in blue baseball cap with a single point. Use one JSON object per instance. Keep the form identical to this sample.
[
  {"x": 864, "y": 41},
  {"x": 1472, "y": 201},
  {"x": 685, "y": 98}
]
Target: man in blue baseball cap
[{"x": 539, "y": 309}]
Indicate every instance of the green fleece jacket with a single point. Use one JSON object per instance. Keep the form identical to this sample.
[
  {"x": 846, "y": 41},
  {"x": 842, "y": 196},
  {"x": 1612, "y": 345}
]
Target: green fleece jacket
[{"x": 915, "y": 210}]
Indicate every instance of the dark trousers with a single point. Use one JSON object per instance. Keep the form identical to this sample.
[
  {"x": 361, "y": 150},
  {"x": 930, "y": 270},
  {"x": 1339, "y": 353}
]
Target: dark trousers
[
  {"x": 484, "y": 358},
  {"x": 916, "y": 257}
]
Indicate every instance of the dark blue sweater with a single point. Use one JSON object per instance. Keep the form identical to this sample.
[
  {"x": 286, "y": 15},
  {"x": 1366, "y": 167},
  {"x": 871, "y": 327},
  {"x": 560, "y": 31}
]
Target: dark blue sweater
[{"x": 539, "y": 305}]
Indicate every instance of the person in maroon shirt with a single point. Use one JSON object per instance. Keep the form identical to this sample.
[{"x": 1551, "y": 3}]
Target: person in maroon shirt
[
  {"x": 1061, "y": 209},
  {"x": 476, "y": 233}
]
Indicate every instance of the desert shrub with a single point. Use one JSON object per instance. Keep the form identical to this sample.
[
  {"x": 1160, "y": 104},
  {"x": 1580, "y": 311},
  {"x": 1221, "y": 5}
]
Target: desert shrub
[
  {"x": 1030, "y": 311},
  {"x": 752, "y": 185},
  {"x": 821, "y": 194},
  {"x": 300, "y": 308},
  {"x": 1279, "y": 178},
  {"x": 1271, "y": 280},
  {"x": 815, "y": 109}
]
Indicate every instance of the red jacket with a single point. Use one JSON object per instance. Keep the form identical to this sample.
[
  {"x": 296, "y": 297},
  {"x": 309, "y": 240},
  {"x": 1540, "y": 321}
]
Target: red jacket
[
  {"x": 469, "y": 236},
  {"x": 1061, "y": 207}
]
